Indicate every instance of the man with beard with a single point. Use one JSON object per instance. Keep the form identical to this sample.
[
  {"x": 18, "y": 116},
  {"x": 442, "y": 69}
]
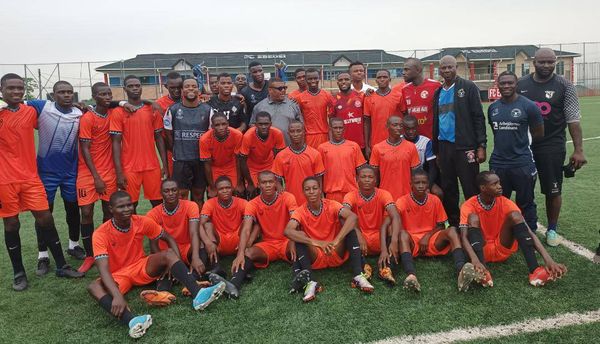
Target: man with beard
[
  {"x": 257, "y": 89},
  {"x": 225, "y": 103},
  {"x": 348, "y": 106}
]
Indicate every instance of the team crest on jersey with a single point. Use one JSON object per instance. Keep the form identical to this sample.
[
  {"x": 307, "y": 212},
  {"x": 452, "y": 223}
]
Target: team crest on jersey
[
  {"x": 516, "y": 113},
  {"x": 234, "y": 109},
  {"x": 339, "y": 107},
  {"x": 357, "y": 103},
  {"x": 424, "y": 94},
  {"x": 495, "y": 112},
  {"x": 179, "y": 114},
  {"x": 461, "y": 93},
  {"x": 549, "y": 94}
]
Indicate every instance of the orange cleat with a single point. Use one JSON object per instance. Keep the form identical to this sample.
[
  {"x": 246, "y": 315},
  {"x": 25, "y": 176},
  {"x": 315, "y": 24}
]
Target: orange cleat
[
  {"x": 157, "y": 298},
  {"x": 539, "y": 277}
]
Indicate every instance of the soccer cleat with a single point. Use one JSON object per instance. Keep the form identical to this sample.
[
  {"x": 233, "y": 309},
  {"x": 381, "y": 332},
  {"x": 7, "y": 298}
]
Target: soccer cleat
[
  {"x": 87, "y": 264},
  {"x": 539, "y": 277},
  {"x": 20, "y": 281},
  {"x": 552, "y": 238},
  {"x": 157, "y": 298},
  {"x": 411, "y": 283},
  {"x": 486, "y": 281},
  {"x": 311, "y": 289},
  {"x": 206, "y": 296},
  {"x": 68, "y": 272},
  {"x": 299, "y": 281},
  {"x": 467, "y": 275},
  {"x": 361, "y": 282},
  {"x": 43, "y": 266},
  {"x": 76, "y": 252},
  {"x": 139, "y": 325},
  {"x": 202, "y": 284},
  {"x": 386, "y": 275},
  {"x": 367, "y": 271},
  {"x": 230, "y": 289}
]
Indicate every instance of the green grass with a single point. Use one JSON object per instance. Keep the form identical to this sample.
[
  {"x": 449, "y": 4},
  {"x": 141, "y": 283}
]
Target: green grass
[{"x": 55, "y": 310}]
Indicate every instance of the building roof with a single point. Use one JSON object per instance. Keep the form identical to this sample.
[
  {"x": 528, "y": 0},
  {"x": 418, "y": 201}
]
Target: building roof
[
  {"x": 493, "y": 52},
  {"x": 241, "y": 59}
]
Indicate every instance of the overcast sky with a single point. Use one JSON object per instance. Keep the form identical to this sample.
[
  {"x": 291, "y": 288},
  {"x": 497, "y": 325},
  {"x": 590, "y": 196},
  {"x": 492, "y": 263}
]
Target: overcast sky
[{"x": 108, "y": 30}]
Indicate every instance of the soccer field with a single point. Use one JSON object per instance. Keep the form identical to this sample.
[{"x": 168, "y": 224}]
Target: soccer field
[{"x": 56, "y": 310}]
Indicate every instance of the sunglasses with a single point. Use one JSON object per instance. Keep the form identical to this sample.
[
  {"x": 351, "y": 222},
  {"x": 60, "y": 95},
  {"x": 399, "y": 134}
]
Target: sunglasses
[{"x": 280, "y": 88}]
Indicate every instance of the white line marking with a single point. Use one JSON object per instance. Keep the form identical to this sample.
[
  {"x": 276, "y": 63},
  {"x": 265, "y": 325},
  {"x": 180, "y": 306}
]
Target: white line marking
[
  {"x": 472, "y": 333},
  {"x": 570, "y": 245},
  {"x": 586, "y": 139}
]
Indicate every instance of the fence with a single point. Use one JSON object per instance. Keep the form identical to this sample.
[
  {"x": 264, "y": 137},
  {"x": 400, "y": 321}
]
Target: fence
[{"x": 578, "y": 62}]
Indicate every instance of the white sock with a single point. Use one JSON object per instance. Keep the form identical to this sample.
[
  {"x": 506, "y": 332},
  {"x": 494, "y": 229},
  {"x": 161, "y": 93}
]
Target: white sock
[
  {"x": 43, "y": 254},
  {"x": 73, "y": 244}
]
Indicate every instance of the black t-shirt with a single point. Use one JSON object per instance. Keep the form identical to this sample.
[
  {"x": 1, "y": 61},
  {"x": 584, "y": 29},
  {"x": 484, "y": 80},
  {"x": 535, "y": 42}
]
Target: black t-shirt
[
  {"x": 233, "y": 109},
  {"x": 557, "y": 100},
  {"x": 187, "y": 124},
  {"x": 253, "y": 97}
]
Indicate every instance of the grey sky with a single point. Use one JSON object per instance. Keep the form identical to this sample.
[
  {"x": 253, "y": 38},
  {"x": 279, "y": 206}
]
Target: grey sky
[{"x": 62, "y": 31}]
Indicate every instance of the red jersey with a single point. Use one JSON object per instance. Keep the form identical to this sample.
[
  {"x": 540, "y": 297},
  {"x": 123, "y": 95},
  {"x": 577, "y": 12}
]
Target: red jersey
[
  {"x": 294, "y": 166},
  {"x": 322, "y": 226},
  {"x": 349, "y": 107},
  {"x": 379, "y": 108},
  {"x": 316, "y": 108},
  {"x": 94, "y": 128},
  {"x": 395, "y": 163},
  {"x": 341, "y": 161},
  {"x": 176, "y": 224},
  {"x": 18, "y": 157},
  {"x": 272, "y": 217},
  {"x": 418, "y": 101},
  {"x": 165, "y": 102}
]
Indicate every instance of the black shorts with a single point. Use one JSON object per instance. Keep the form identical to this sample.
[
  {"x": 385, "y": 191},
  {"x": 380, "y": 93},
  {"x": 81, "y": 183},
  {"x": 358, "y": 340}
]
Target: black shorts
[
  {"x": 550, "y": 170},
  {"x": 189, "y": 174}
]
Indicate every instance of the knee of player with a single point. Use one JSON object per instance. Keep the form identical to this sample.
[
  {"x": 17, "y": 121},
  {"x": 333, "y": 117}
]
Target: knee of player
[
  {"x": 452, "y": 234},
  {"x": 515, "y": 217},
  {"x": 95, "y": 288},
  {"x": 170, "y": 255},
  {"x": 404, "y": 236},
  {"x": 473, "y": 221},
  {"x": 11, "y": 224},
  {"x": 87, "y": 214}
]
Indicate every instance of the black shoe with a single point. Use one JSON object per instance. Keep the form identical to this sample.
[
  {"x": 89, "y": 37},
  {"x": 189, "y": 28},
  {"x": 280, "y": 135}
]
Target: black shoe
[
  {"x": 230, "y": 289},
  {"x": 68, "y": 272},
  {"x": 77, "y": 252},
  {"x": 219, "y": 271},
  {"x": 299, "y": 281},
  {"x": 43, "y": 266},
  {"x": 20, "y": 282},
  {"x": 248, "y": 278}
]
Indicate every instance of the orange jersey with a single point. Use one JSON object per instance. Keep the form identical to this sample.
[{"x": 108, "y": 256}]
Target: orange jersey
[
  {"x": 293, "y": 167},
  {"x": 272, "y": 217},
  {"x": 323, "y": 226},
  {"x": 221, "y": 153},
  {"x": 260, "y": 153},
  {"x": 138, "y": 153},
  {"x": 294, "y": 94},
  {"x": 124, "y": 248},
  {"x": 225, "y": 220},
  {"x": 17, "y": 160},
  {"x": 315, "y": 110},
  {"x": 94, "y": 128},
  {"x": 340, "y": 161},
  {"x": 370, "y": 211},
  {"x": 420, "y": 219},
  {"x": 379, "y": 108},
  {"x": 395, "y": 164},
  {"x": 165, "y": 102},
  {"x": 491, "y": 220},
  {"x": 176, "y": 224}
]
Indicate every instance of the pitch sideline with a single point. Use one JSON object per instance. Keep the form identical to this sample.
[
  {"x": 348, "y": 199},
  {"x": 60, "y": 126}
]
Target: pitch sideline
[{"x": 570, "y": 245}]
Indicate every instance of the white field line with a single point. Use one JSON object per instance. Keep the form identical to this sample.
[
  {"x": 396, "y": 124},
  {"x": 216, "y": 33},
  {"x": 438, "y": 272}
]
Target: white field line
[
  {"x": 587, "y": 139},
  {"x": 570, "y": 245},
  {"x": 472, "y": 333}
]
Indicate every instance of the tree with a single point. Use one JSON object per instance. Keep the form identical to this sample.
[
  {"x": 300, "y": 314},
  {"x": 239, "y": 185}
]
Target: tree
[{"x": 31, "y": 86}]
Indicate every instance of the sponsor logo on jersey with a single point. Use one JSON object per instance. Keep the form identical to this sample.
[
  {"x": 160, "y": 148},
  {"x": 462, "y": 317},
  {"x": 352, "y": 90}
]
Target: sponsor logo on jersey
[
  {"x": 549, "y": 94},
  {"x": 495, "y": 112},
  {"x": 357, "y": 103},
  {"x": 461, "y": 93}
]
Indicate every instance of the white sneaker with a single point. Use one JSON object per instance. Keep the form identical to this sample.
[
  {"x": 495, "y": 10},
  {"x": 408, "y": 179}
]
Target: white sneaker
[
  {"x": 361, "y": 282},
  {"x": 310, "y": 291}
]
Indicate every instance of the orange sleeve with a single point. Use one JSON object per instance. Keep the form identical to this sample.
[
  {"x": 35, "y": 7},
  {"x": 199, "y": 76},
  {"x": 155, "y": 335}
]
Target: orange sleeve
[
  {"x": 367, "y": 107},
  {"x": 250, "y": 209},
  {"x": 290, "y": 202},
  {"x": 100, "y": 244},
  {"x": 246, "y": 143},
  {"x": 401, "y": 103},
  {"x": 330, "y": 104},
  {"x": 399, "y": 205},
  {"x": 278, "y": 165},
  {"x": 414, "y": 161},
  {"x": 349, "y": 199},
  {"x": 297, "y": 215},
  {"x": 207, "y": 209},
  {"x": 193, "y": 212},
  {"x": 279, "y": 140},
  {"x": 386, "y": 197},
  {"x": 116, "y": 122},
  {"x": 154, "y": 215},
  {"x": 85, "y": 127},
  {"x": 335, "y": 208},
  {"x": 318, "y": 166},
  {"x": 205, "y": 146},
  {"x": 440, "y": 213},
  {"x": 374, "y": 161},
  {"x": 359, "y": 158},
  {"x": 465, "y": 210},
  {"x": 157, "y": 121},
  {"x": 151, "y": 229},
  {"x": 510, "y": 205},
  {"x": 238, "y": 137}
]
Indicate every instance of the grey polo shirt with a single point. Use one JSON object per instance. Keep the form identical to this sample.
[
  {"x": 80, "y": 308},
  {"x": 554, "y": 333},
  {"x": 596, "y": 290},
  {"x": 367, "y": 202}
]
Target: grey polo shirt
[{"x": 281, "y": 114}]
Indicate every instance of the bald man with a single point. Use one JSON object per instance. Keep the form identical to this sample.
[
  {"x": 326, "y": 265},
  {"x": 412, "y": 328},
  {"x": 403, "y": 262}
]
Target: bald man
[
  {"x": 557, "y": 99},
  {"x": 459, "y": 138}
]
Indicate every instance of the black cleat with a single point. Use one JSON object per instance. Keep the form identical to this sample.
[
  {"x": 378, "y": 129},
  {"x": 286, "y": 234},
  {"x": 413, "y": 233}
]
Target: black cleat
[
  {"x": 299, "y": 281},
  {"x": 248, "y": 278},
  {"x": 230, "y": 289},
  {"x": 20, "y": 281},
  {"x": 43, "y": 266},
  {"x": 77, "y": 252},
  {"x": 68, "y": 272}
]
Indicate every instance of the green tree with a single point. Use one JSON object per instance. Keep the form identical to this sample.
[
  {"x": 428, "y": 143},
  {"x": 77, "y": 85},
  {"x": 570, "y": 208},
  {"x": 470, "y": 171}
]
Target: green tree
[{"x": 31, "y": 86}]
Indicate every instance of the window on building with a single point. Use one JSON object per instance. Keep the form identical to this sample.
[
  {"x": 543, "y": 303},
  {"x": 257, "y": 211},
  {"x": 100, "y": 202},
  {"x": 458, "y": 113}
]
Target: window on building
[
  {"x": 115, "y": 81},
  {"x": 510, "y": 67},
  {"x": 149, "y": 80},
  {"x": 525, "y": 69},
  {"x": 560, "y": 68}
]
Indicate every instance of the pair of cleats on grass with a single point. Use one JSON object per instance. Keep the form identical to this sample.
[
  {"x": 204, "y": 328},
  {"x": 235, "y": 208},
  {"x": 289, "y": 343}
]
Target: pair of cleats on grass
[{"x": 302, "y": 281}]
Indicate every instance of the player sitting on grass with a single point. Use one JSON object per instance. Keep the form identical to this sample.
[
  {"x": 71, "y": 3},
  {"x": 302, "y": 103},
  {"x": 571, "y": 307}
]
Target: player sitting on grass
[
  {"x": 325, "y": 236},
  {"x": 492, "y": 228},
  {"x": 372, "y": 205},
  {"x": 424, "y": 233},
  {"x": 122, "y": 263}
]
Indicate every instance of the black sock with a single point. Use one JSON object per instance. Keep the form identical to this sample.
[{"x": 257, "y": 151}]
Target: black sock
[
  {"x": 73, "y": 219},
  {"x": 459, "y": 258},
  {"x": 106, "y": 304},
  {"x": 353, "y": 247},
  {"x": 303, "y": 260},
  {"x": 363, "y": 261},
  {"x": 181, "y": 273},
  {"x": 164, "y": 284},
  {"x": 87, "y": 229},
  {"x": 521, "y": 234},
  {"x": 42, "y": 247},
  {"x": 238, "y": 277},
  {"x": 477, "y": 242},
  {"x": 407, "y": 263},
  {"x": 13, "y": 245},
  {"x": 393, "y": 265},
  {"x": 50, "y": 237}
]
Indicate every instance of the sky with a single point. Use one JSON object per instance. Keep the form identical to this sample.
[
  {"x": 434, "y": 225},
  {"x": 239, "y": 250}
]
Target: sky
[{"x": 109, "y": 30}]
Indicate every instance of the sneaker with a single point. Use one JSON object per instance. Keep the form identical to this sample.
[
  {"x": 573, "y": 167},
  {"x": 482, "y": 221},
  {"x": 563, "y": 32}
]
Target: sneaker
[
  {"x": 552, "y": 238},
  {"x": 386, "y": 275},
  {"x": 207, "y": 295},
  {"x": 157, "y": 298},
  {"x": 361, "y": 282},
  {"x": 467, "y": 275},
  {"x": 230, "y": 289},
  {"x": 539, "y": 277},
  {"x": 311, "y": 289},
  {"x": 76, "y": 252},
  {"x": 299, "y": 281},
  {"x": 68, "y": 272},
  {"x": 367, "y": 271},
  {"x": 139, "y": 325},
  {"x": 20, "y": 281},
  {"x": 202, "y": 284},
  {"x": 43, "y": 266},
  {"x": 87, "y": 264},
  {"x": 411, "y": 283},
  {"x": 486, "y": 281}
]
